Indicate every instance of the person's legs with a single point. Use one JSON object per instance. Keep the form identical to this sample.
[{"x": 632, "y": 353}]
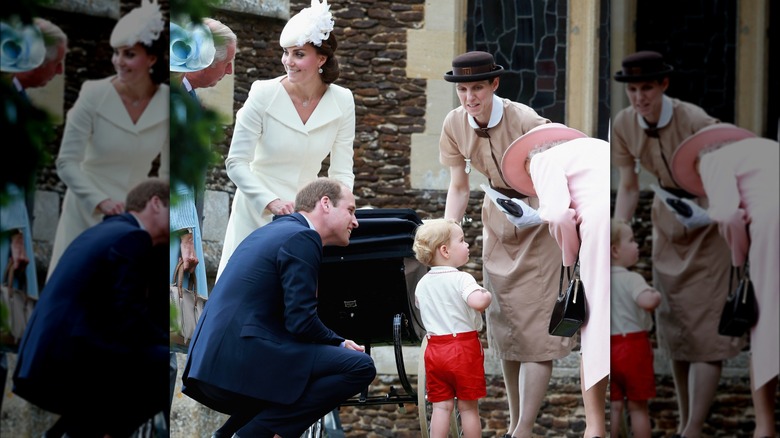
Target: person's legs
[
  {"x": 703, "y": 380},
  {"x": 764, "y": 406},
  {"x": 511, "y": 371},
  {"x": 236, "y": 421},
  {"x": 240, "y": 407},
  {"x": 638, "y": 378},
  {"x": 615, "y": 417},
  {"x": 680, "y": 370},
  {"x": 640, "y": 418},
  {"x": 469, "y": 418},
  {"x": 619, "y": 363},
  {"x": 440, "y": 418},
  {"x": 338, "y": 374},
  {"x": 534, "y": 380},
  {"x": 74, "y": 427},
  {"x": 97, "y": 421},
  {"x": 595, "y": 401}
]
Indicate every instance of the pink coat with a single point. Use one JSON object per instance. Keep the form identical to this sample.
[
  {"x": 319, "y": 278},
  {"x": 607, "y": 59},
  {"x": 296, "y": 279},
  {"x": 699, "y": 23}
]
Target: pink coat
[
  {"x": 742, "y": 183},
  {"x": 572, "y": 183}
]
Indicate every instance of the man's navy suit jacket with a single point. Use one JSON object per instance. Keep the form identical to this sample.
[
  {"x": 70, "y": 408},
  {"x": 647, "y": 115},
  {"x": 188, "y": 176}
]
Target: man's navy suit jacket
[
  {"x": 101, "y": 320},
  {"x": 256, "y": 332}
]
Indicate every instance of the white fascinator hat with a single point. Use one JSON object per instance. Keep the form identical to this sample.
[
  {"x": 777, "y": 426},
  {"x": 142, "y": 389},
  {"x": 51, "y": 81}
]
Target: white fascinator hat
[
  {"x": 312, "y": 25},
  {"x": 143, "y": 24},
  {"x": 21, "y": 46},
  {"x": 192, "y": 47}
]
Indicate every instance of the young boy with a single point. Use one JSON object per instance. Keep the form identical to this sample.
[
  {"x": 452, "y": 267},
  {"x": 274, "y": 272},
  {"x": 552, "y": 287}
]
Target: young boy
[
  {"x": 631, "y": 364},
  {"x": 450, "y": 303}
]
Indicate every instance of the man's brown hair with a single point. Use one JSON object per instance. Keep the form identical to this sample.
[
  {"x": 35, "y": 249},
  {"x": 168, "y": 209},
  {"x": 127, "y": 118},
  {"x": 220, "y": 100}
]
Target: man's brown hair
[
  {"x": 145, "y": 191},
  {"x": 308, "y": 197}
]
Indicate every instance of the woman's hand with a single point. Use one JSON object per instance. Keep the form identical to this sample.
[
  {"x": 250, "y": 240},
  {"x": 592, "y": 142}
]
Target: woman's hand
[
  {"x": 189, "y": 258},
  {"x": 19, "y": 258},
  {"x": 110, "y": 207},
  {"x": 278, "y": 207}
]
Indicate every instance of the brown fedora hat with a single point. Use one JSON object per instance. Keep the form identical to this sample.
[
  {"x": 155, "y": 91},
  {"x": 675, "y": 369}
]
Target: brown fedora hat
[
  {"x": 684, "y": 171},
  {"x": 643, "y": 66},
  {"x": 472, "y": 67},
  {"x": 513, "y": 161}
]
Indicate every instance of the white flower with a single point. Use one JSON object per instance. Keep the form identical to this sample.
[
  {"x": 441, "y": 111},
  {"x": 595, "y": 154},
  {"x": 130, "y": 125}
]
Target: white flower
[
  {"x": 21, "y": 46},
  {"x": 192, "y": 47}
]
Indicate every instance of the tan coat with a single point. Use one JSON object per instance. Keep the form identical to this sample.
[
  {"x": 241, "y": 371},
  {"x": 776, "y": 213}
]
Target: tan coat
[
  {"x": 690, "y": 267},
  {"x": 521, "y": 267}
]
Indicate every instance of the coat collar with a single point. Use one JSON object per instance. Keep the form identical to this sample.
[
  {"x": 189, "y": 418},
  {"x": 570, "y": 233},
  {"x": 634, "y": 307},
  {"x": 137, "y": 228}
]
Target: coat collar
[
  {"x": 281, "y": 108},
  {"x": 112, "y": 108}
]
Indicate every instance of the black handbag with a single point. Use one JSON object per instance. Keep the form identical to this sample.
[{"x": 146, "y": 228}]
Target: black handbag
[
  {"x": 571, "y": 307},
  {"x": 740, "y": 312}
]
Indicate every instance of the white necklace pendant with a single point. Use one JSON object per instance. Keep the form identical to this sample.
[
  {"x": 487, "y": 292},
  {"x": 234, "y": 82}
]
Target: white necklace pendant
[
  {"x": 637, "y": 166},
  {"x": 468, "y": 165}
]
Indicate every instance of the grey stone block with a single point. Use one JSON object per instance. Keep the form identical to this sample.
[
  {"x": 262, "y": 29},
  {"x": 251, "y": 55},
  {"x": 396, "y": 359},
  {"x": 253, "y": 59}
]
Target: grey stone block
[
  {"x": 188, "y": 417},
  {"x": 266, "y": 8},
  {"x": 47, "y": 213},
  {"x": 216, "y": 210},
  {"x": 20, "y": 418}
]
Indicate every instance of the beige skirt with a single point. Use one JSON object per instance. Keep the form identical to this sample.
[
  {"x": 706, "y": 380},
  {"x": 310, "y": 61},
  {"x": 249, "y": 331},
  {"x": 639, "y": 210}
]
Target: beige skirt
[{"x": 521, "y": 267}]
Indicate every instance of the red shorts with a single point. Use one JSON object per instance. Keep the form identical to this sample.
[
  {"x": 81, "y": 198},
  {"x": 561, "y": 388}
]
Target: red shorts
[
  {"x": 631, "y": 373},
  {"x": 455, "y": 367}
]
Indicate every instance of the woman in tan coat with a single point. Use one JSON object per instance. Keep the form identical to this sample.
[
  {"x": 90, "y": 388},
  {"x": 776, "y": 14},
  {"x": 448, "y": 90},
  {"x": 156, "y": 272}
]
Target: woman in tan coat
[{"x": 521, "y": 267}]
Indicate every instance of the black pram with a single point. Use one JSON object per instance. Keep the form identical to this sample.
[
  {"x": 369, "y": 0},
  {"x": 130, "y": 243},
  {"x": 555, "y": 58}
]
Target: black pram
[{"x": 366, "y": 289}]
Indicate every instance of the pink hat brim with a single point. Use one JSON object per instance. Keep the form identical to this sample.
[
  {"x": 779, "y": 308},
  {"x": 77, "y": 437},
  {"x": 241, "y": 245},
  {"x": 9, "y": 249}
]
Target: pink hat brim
[
  {"x": 684, "y": 170},
  {"x": 513, "y": 161}
]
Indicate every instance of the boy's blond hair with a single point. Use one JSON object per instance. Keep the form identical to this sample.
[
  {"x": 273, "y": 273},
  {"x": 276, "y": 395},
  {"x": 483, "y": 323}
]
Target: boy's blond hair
[
  {"x": 430, "y": 236},
  {"x": 615, "y": 227}
]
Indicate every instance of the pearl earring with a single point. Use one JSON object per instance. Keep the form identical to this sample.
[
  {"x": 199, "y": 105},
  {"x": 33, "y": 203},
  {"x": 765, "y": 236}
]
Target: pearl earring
[
  {"x": 151, "y": 70},
  {"x": 320, "y": 70}
]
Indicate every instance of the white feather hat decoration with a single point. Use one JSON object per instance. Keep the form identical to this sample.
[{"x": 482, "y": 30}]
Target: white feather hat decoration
[{"x": 312, "y": 25}]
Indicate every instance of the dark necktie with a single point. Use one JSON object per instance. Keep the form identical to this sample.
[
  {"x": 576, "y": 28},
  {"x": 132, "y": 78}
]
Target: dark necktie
[
  {"x": 482, "y": 132},
  {"x": 194, "y": 95},
  {"x": 652, "y": 132},
  {"x": 24, "y": 95}
]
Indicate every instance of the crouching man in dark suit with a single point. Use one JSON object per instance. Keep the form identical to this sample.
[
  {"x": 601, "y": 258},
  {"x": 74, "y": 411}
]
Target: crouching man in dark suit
[
  {"x": 259, "y": 352},
  {"x": 96, "y": 347}
]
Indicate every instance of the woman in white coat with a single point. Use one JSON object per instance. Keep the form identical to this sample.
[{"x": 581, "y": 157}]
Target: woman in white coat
[
  {"x": 116, "y": 128},
  {"x": 288, "y": 126}
]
